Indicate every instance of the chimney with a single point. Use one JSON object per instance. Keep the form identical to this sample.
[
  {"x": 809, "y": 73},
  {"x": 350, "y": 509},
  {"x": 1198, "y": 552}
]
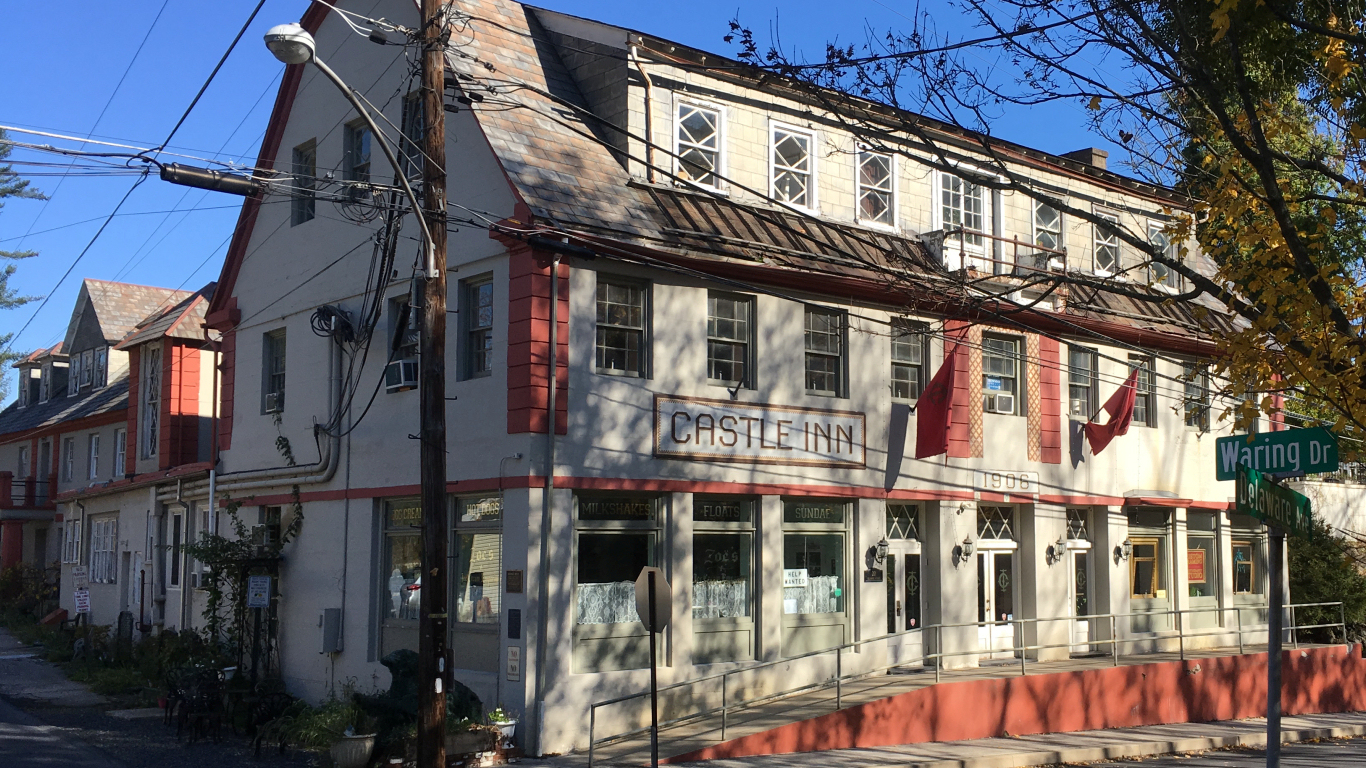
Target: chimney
[{"x": 1091, "y": 156}]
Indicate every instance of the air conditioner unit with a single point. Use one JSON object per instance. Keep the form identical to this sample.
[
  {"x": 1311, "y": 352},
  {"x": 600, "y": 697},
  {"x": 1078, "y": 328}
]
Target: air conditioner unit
[
  {"x": 275, "y": 402},
  {"x": 400, "y": 375},
  {"x": 1001, "y": 403}
]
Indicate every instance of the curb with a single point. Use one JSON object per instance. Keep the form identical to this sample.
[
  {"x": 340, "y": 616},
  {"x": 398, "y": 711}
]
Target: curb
[{"x": 1135, "y": 749}]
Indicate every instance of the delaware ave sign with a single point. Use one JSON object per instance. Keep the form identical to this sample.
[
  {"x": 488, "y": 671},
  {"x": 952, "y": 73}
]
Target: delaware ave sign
[
  {"x": 1272, "y": 504},
  {"x": 752, "y": 433},
  {"x": 1292, "y": 452}
]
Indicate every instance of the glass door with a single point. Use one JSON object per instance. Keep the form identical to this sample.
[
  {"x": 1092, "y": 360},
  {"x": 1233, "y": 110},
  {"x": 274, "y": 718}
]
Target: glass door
[
  {"x": 1081, "y": 601},
  {"x": 904, "y": 604},
  {"x": 996, "y": 603}
]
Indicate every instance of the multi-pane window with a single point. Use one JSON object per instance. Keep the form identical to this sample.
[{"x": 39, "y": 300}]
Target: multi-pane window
[
  {"x": 699, "y": 144},
  {"x": 71, "y": 540},
  {"x": 903, "y": 521},
  {"x": 478, "y": 328},
  {"x": 1000, "y": 375},
  {"x": 120, "y": 451},
  {"x": 101, "y": 367},
  {"x": 996, "y": 523},
  {"x": 73, "y": 383},
  {"x": 908, "y": 359},
  {"x": 104, "y": 536},
  {"x": 1161, "y": 274},
  {"x": 792, "y": 167},
  {"x": 1047, "y": 226},
  {"x": 875, "y": 191},
  {"x": 92, "y": 466},
  {"x": 730, "y": 339},
  {"x": 356, "y": 152},
  {"x": 621, "y": 327},
  {"x": 1196, "y": 378},
  {"x": 1145, "y": 412},
  {"x": 963, "y": 205},
  {"x": 1081, "y": 382},
  {"x": 87, "y": 367},
  {"x": 824, "y": 352},
  {"x": 305, "y": 171},
  {"x": 1106, "y": 243},
  {"x": 68, "y": 458},
  {"x": 273, "y": 365},
  {"x": 45, "y": 387},
  {"x": 1076, "y": 525}
]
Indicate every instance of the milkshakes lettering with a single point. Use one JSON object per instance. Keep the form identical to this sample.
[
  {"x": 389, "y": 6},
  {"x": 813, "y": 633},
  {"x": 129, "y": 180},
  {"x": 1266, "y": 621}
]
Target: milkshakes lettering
[{"x": 722, "y": 430}]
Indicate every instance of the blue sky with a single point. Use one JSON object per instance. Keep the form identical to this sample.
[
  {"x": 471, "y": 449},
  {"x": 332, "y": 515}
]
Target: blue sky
[{"x": 62, "y": 84}]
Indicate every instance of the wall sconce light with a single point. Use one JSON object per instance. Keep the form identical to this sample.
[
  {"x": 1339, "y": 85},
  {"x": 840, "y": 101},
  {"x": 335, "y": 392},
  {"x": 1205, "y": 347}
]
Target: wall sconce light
[
  {"x": 968, "y": 547},
  {"x": 1125, "y": 551},
  {"x": 1057, "y": 550},
  {"x": 881, "y": 551}
]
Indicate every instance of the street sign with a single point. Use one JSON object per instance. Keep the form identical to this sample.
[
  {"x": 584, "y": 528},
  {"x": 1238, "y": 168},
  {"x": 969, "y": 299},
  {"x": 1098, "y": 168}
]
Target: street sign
[
  {"x": 1272, "y": 504},
  {"x": 1291, "y": 452},
  {"x": 663, "y": 602},
  {"x": 258, "y": 591}
]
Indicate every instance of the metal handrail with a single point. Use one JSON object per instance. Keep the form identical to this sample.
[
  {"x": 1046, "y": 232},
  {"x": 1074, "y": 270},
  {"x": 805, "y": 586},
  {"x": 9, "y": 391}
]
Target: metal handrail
[{"x": 1114, "y": 641}]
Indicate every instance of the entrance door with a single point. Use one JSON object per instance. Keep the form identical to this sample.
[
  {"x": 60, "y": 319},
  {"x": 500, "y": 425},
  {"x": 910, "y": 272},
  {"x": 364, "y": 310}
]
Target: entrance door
[
  {"x": 904, "y": 604},
  {"x": 1081, "y": 601},
  {"x": 996, "y": 603}
]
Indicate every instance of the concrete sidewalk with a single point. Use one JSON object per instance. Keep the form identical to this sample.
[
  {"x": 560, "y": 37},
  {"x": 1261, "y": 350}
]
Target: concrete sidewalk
[
  {"x": 1042, "y": 749},
  {"x": 1076, "y": 747}
]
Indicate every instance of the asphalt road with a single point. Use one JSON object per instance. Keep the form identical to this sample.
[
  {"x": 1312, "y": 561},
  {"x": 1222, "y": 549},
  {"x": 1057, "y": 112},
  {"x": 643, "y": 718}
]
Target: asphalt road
[
  {"x": 1335, "y": 753},
  {"x": 27, "y": 743}
]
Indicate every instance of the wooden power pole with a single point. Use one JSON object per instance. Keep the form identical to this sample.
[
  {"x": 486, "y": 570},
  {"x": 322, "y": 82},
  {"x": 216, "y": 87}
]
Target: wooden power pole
[{"x": 432, "y": 669}]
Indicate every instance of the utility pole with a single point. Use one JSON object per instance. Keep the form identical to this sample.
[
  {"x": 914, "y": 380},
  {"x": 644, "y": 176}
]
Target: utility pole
[{"x": 433, "y": 673}]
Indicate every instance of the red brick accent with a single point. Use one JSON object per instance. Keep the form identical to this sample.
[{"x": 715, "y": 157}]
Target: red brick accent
[
  {"x": 1193, "y": 691},
  {"x": 130, "y": 434},
  {"x": 529, "y": 342},
  {"x": 179, "y": 443},
  {"x": 960, "y": 429},
  {"x": 227, "y": 371},
  {"x": 1050, "y": 395}
]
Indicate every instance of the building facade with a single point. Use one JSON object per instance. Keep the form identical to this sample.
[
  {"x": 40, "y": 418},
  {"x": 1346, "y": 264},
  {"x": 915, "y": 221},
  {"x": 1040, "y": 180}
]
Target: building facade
[{"x": 743, "y": 304}]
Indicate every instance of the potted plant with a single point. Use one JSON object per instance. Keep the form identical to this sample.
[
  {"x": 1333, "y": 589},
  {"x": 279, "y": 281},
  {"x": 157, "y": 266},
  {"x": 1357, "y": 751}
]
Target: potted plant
[
  {"x": 337, "y": 726},
  {"x": 465, "y": 737},
  {"x": 505, "y": 723}
]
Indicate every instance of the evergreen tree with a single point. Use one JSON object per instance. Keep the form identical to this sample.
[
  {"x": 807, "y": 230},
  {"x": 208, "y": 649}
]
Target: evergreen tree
[
  {"x": 11, "y": 185},
  {"x": 1328, "y": 568}
]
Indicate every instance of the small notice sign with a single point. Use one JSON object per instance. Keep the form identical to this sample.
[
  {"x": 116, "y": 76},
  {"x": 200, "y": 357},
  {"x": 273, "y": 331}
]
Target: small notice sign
[
  {"x": 82, "y": 601},
  {"x": 794, "y": 577},
  {"x": 258, "y": 591},
  {"x": 80, "y": 576},
  {"x": 514, "y": 669},
  {"x": 1195, "y": 566}
]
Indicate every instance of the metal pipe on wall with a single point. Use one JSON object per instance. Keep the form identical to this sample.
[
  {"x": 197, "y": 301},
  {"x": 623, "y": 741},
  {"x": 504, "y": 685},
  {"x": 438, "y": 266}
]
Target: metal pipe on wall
[{"x": 543, "y": 575}]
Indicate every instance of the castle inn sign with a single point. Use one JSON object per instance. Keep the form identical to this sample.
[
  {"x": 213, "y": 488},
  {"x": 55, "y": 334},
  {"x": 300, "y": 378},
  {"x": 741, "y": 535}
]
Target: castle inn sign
[{"x": 752, "y": 433}]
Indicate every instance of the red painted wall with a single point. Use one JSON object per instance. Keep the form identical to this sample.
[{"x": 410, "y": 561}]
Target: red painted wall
[
  {"x": 1050, "y": 393},
  {"x": 179, "y": 406},
  {"x": 1199, "y": 690},
  {"x": 529, "y": 343},
  {"x": 960, "y": 429}
]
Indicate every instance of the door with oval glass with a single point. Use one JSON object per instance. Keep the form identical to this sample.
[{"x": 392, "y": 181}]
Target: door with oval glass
[
  {"x": 904, "y": 603},
  {"x": 996, "y": 602}
]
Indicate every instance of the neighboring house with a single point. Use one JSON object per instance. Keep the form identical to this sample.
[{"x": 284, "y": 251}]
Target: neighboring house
[{"x": 736, "y": 368}]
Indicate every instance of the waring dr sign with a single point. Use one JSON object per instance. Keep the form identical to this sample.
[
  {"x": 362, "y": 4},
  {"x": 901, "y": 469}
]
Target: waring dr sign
[{"x": 1292, "y": 452}]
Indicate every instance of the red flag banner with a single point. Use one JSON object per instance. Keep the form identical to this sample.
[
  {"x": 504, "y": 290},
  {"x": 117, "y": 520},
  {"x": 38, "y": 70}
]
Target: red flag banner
[
  {"x": 1120, "y": 406},
  {"x": 932, "y": 412}
]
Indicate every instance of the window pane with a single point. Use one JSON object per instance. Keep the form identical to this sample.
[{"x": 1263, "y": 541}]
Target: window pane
[
  {"x": 728, "y": 338},
  {"x": 1201, "y": 567},
  {"x": 699, "y": 144},
  {"x": 403, "y": 563},
  {"x": 814, "y": 564},
  {"x": 875, "y": 188},
  {"x": 1107, "y": 245},
  {"x": 722, "y": 576},
  {"x": 912, "y": 576},
  {"x": 791, "y": 167},
  {"x": 893, "y": 610},
  {"x": 620, "y": 327},
  {"x": 478, "y": 572},
  {"x": 608, "y": 564}
]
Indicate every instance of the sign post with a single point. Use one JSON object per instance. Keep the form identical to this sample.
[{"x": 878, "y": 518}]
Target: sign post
[
  {"x": 654, "y": 604},
  {"x": 1282, "y": 510}
]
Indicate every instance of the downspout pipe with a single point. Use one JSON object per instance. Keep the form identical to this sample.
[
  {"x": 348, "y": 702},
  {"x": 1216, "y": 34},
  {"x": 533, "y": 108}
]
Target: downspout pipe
[{"x": 649, "y": 120}]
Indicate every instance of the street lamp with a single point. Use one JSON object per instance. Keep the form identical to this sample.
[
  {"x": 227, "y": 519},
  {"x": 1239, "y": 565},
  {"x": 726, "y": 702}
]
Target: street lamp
[{"x": 292, "y": 44}]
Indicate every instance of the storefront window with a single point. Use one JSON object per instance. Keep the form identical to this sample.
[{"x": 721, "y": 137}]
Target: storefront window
[
  {"x": 402, "y": 558},
  {"x": 722, "y": 563},
  {"x": 1249, "y": 556},
  {"x": 813, "y": 562},
  {"x": 1202, "y": 567},
  {"x": 478, "y": 559},
  {"x": 610, "y": 558},
  {"x": 1147, "y": 573}
]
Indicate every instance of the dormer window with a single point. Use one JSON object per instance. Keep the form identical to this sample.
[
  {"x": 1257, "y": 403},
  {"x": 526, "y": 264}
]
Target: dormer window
[
  {"x": 792, "y": 170},
  {"x": 963, "y": 207},
  {"x": 698, "y": 147},
  {"x": 875, "y": 189},
  {"x": 73, "y": 384},
  {"x": 101, "y": 374},
  {"x": 87, "y": 360},
  {"x": 45, "y": 387}
]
